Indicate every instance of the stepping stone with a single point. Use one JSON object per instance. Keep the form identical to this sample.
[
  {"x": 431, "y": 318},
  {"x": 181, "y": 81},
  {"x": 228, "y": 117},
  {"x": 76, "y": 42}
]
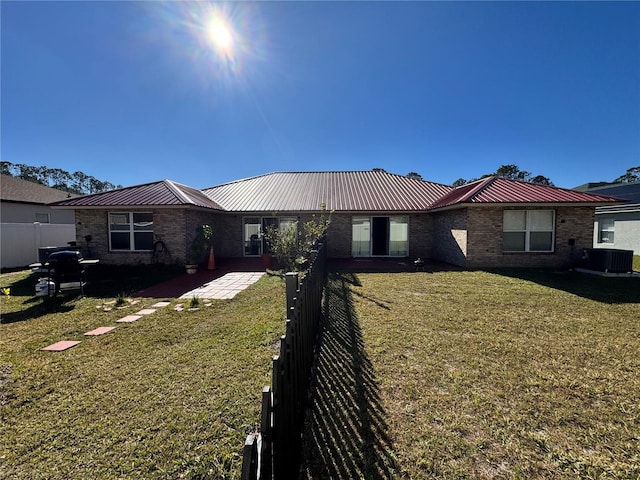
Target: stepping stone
[
  {"x": 146, "y": 311},
  {"x": 100, "y": 331},
  {"x": 161, "y": 304},
  {"x": 60, "y": 346},
  {"x": 129, "y": 319}
]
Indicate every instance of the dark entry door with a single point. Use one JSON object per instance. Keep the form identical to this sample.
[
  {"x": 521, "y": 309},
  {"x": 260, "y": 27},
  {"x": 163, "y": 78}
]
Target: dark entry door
[{"x": 380, "y": 236}]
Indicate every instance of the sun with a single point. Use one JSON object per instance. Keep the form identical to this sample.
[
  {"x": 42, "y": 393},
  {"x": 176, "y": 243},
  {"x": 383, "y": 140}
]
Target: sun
[{"x": 220, "y": 35}]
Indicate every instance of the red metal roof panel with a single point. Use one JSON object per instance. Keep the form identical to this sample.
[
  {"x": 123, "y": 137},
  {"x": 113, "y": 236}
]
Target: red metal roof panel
[
  {"x": 341, "y": 191},
  {"x": 502, "y": 190},
  {"x": 162, "y": 193}
]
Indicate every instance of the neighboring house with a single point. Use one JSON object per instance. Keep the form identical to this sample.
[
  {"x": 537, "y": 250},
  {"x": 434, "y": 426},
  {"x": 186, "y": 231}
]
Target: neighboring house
[
  {"x": 28, "y": 222},
  {"x": 488, "y": 223},
  {"x": 617, "y": 226},
  {"x": 26, "y": 202}
]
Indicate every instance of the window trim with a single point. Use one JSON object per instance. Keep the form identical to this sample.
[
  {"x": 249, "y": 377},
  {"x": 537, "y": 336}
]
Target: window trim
[
  {"x": 48, "y": 215},
  {"x": 528, "y": 231},
  {"x": 132, "y": 231},
  {"x": 609, "y": 229}
]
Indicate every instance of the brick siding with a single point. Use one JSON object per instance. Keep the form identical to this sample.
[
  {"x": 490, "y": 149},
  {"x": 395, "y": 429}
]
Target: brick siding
[
  {"x": 469, "y": 237},
  {"x": 449, "y": 239},
  {"x": 485, "y": 239}
]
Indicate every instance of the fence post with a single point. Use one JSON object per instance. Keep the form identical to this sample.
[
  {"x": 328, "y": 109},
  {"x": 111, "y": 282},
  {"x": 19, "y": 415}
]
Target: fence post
[
  {"x": 250, "y": 458},
  {"x": 266, "y": 430},
  {"x": 291, "y": 279}
]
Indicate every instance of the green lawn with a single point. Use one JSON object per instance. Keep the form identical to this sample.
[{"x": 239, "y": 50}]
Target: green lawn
[
  {"x": 477, "y": 375},
  {"x": 420, "y": 375},
  {"x": 636, "y": 263},
  {"x": 169, "y": 396}
]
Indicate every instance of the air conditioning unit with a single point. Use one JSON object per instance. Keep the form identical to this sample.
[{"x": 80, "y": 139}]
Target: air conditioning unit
[{"x": 609, "y": 260}]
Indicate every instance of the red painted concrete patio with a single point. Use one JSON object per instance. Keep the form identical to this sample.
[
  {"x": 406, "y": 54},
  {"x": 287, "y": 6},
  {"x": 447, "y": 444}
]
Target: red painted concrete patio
[{"x": 178, "y": 286}]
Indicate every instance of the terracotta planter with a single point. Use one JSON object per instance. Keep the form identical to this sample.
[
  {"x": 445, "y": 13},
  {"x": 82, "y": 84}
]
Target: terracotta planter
[{"x": 211, "y": 261}]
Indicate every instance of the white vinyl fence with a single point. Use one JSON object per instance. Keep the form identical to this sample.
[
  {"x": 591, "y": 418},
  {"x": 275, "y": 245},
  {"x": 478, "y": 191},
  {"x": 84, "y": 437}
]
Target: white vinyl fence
[{"x": 19, "y": 242}]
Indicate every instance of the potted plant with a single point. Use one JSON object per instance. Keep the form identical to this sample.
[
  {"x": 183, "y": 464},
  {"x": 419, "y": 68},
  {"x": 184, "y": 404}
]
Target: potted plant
[{"x": 199, "y": 246}]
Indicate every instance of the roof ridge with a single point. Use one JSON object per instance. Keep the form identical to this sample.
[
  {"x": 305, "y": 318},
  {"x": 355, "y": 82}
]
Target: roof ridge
[
  {"x": 322, "y": 171},
  {"x": 88, "y": 195},
  {"x": 483, "y": 183},
  {"x": 173, "y": 186}
]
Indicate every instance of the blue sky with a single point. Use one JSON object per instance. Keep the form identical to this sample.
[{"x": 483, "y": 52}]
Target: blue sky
[{"x": 133, "y": 92}]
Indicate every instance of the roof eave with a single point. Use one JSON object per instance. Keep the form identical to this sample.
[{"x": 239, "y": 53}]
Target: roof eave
[
  {"x": 133, "y": 207},
  {"x": 518, "y": 204}
]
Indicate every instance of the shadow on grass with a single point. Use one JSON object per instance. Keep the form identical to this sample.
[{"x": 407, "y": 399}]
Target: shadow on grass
[
  {"x": 345, "y": 432},
  {"x": 103, "y": 281},
  {"x": 39, "y": 308},
  {"x": 600, "y": 289}
]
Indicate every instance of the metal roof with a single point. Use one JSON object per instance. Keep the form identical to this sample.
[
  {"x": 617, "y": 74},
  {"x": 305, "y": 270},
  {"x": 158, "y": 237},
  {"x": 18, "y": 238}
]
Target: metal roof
[
  {"x": 501, "y": 190},
  {"x": 628, "y": 191},
  {"x": 14, "y": 189},
  {"x": 164, "y": 193},
  {"x": 356, "y": 191},
  {"x": 367, "y": 191}
]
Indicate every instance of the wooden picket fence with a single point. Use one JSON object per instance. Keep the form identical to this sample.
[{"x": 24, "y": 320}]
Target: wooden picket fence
[{"x": 273, "y": 452}]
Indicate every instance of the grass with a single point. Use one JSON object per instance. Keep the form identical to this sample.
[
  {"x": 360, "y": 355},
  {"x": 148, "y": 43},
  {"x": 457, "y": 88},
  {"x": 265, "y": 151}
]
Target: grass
[
  {"x": 504, "y": 374},
  {"x": 477, "y": 375},
  {"x": 636, "y": 263},
  {"x": 169, "y": 396}
]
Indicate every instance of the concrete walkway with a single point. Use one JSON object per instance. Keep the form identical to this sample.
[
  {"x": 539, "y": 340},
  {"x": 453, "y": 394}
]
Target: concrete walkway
[
  {"x": 227, "y": 286},
  {"x": 183, "y": 285}
]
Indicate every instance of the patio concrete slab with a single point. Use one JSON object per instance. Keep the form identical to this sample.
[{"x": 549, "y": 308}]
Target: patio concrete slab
[
  {"x": 161, "y": 304},
  {"x": 183, "y": 284},
  {"x": 129, "y": 319},
  {"x": 225, "y": 287},
  {"x": 60, "y": 346},
  {"x": 146, "y": 311},
  {"x": 99, "y": 331}
]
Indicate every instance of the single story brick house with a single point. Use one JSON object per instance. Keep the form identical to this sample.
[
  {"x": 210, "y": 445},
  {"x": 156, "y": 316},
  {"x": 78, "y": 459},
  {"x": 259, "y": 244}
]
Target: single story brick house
[{"x": 493, "y": 222}]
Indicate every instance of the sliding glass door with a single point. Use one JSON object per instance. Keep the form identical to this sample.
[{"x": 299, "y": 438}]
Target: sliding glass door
[
  {"x": 361, "y": 237},
  {"x": 380, "y": 236},
  {"x": 254, "y": 227}
]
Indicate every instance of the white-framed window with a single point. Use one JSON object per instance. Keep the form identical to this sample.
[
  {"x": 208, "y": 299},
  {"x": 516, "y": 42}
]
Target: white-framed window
[
  {"x": 606, "y": 230},
  {"x": 43, "y": 217},
  {"x": 528, "y": 230},
  {"x": 131, "y": 231}
]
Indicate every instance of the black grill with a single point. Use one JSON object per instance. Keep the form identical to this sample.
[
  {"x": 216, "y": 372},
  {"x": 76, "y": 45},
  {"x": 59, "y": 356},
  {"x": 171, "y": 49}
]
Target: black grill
[{"x": 66, "y": 270}]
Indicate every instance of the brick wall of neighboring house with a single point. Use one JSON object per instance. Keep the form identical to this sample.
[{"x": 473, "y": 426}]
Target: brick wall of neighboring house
[
  {"x": 485, "y": 239},
  {"x": 450, "y": 237}
]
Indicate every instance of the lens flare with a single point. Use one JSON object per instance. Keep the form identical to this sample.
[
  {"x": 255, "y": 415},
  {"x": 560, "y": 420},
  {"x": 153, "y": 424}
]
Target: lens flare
[
  {"x": 222, "y": 41},
  {"x": 220, "y": 35}
]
